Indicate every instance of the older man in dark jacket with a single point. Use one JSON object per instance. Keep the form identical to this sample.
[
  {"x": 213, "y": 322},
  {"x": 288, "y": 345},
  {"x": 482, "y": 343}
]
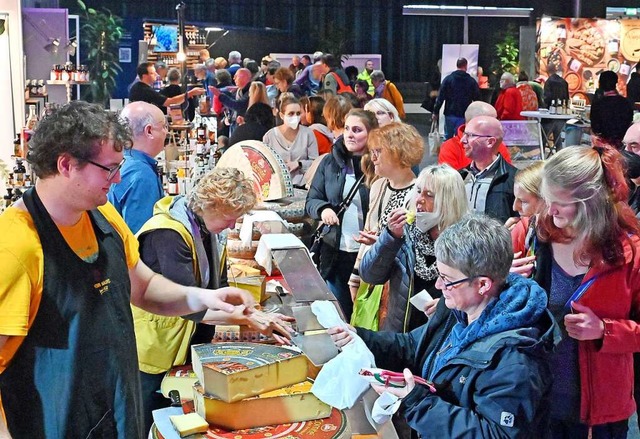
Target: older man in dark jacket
[{"x": 489, "y": 178}]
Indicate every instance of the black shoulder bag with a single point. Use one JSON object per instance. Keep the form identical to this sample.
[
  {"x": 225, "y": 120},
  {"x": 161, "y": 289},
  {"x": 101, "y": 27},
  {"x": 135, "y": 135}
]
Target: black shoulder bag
[{"x": 323, "y": 229}]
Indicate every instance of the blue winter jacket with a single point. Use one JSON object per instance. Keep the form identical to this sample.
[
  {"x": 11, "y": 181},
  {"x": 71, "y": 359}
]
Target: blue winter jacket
[
  {"x": 497, "y": 385},
  {"x": 393, "y": 259}
]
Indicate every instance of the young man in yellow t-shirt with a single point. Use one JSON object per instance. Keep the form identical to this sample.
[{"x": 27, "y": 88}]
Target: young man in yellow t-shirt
[{"x": 70, "y": 269}]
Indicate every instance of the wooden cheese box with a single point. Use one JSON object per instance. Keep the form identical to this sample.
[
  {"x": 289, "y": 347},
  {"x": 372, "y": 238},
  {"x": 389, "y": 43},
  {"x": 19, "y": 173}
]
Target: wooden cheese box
[
  {"x": 235, "y": 371},
  {"x": 281, "y": 406}
]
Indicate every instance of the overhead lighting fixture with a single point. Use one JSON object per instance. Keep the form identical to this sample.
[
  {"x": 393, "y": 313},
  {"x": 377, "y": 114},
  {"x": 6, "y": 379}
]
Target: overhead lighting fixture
[
  {"x": 213, "y": 29},
  {"x": 71, "y": 46},
  {"x": 53, "y": 46},
  {"x": 469, "y": 11}
]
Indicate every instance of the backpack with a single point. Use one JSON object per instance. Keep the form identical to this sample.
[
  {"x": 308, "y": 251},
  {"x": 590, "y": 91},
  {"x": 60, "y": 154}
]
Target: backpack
[{"x": 342, "y": 87}]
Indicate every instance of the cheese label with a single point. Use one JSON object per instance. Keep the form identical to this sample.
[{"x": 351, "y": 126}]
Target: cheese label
[{"x": 230, "y": 358}]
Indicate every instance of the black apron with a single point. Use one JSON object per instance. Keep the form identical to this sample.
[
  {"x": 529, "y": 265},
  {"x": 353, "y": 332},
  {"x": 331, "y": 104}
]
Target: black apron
[{"x": 76, "y": 373}]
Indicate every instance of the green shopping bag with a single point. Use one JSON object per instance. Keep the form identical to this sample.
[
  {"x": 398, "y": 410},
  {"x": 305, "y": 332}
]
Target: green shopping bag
[{"x": 367, "y": 305}]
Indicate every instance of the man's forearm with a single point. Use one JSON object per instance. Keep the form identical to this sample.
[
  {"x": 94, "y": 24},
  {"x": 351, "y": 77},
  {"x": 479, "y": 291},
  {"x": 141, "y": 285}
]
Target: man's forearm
[{"x": 157, "y": 294}]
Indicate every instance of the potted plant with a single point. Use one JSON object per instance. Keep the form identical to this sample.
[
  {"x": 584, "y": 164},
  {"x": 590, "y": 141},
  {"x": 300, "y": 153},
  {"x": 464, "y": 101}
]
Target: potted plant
[{"x": 101, "y": 32}]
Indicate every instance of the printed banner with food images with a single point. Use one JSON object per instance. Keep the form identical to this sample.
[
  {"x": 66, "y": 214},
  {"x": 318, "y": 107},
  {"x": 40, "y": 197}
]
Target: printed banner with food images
[{"x": 581, "y": 49}]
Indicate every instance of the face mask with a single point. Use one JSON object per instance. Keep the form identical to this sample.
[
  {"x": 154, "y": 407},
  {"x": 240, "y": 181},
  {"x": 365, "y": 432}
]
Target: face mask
[
  {"x": 292, "y": 121},
  {"x": 426, "y": 221}
]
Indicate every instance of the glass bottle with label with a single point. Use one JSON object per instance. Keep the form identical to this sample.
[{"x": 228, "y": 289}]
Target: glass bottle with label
[
  {"x": 19, "y": 171},
  {"x": 613, "y": 46},
  {"x": 172, "y": 187},
  {"x": 625, "y": 68},
  {"x": 8, "y": 197},
  {"x": 552, "y": 107}
]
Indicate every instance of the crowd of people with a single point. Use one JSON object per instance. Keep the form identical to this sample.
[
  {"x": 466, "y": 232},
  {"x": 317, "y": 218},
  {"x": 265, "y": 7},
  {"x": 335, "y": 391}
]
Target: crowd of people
[{"x": 534, "y": 274}]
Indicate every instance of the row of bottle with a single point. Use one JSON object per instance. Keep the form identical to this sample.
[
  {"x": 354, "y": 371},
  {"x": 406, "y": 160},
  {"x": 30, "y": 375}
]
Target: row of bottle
[
  {"x": 560, "y": 106},
  {"x": 34, "y": 87},
  {"x": 69, "y": 72},
  {"x": 19, "y": 177},
  {"x": 10, "y": 197},
  {"x": 195, "y": 37},
  {"x": 173, "y": 60}
]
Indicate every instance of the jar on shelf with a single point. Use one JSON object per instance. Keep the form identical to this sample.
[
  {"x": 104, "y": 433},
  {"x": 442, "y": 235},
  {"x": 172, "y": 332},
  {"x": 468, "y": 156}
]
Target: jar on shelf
[
  {"x": 85, "y": 72},
  {"x": 67, "y": 74},
  {"x": 59, "y": 68}
]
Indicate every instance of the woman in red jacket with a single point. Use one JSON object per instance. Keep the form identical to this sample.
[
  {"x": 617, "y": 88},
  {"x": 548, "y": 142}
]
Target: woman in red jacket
[{"x": 589, "y": 264}]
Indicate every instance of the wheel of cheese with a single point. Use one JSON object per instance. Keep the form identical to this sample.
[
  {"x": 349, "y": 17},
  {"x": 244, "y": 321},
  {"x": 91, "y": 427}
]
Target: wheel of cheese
[
  {"x": 333, "y": 427},
  {"x": 235, "y": 234},
  {"x": 236, "y": 249},
  {"x": 290, "y": 209},
  {"x": 272, "y": 180},
  {"x": 253, "y": 264}
]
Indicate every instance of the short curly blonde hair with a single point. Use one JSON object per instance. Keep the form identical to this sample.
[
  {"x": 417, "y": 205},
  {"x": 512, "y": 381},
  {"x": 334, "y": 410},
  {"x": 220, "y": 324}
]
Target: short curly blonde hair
[
  {"x": 224, "y": 190},
  {"x": 403, "y": 142}
]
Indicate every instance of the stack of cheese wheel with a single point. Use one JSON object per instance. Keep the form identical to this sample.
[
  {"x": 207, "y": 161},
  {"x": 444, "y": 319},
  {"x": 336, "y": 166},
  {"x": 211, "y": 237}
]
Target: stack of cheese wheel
[{"x": 276, "y": 193}]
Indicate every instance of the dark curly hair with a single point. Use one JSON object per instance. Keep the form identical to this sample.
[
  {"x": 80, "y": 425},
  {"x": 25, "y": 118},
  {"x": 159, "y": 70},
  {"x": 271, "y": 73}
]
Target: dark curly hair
[{"x": 78, "y": 129}]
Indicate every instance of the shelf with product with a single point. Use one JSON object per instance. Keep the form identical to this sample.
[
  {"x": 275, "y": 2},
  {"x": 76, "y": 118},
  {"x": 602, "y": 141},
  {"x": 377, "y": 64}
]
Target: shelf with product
[
  {"x": 191, "y": 153},
  {"x": 163, "y": 45}
]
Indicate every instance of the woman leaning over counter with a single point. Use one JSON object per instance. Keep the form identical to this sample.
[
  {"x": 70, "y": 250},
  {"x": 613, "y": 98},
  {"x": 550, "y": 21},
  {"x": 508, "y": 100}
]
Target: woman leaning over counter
[{"x": 485, "y": 348}]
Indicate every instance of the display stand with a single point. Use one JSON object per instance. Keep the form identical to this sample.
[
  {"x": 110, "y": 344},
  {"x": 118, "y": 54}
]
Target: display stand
[{"x": 68, "y": 85}]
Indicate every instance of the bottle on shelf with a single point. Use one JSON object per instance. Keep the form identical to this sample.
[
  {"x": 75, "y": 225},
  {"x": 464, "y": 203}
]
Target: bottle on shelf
[
  {"x": 8, "y": 198},
  {"x": 32, "y": 119},
  {"x": 17, "y": 146},
  {"x": 172, "y": 187},
  {"x": 19, "y": 172},
  {"x": 552, "y": 107},
  {"x": 27, "y": 130},
  {"x": 564, "y": 107},
  {"x": 27, "y": 180}
]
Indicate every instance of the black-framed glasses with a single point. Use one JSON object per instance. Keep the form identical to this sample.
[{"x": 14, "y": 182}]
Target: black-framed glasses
[
  {"x": 112, "y": 171},
  {"x": 453, "y": 285},
  {"x": 472, "y": 135}
]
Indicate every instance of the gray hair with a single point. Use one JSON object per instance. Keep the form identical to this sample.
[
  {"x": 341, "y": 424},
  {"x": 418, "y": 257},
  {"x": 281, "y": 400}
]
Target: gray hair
[
  {"x": 210, "y": 63},
  {"x": 235, "y": 56},
  {"x": 173, "y": 75},
  {"x": 137, "y": 120},
  {"x": 377, "y": 75},
  {"x": 199, "y": 68},
  {"x": 477, "y": 245}
]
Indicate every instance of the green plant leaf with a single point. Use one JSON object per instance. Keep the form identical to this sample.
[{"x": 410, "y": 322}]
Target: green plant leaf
[{"x": 82, "y": 5}]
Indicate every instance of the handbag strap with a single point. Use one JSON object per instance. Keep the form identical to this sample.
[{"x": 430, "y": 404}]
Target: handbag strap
[
  {"x": 352, "y": 193},
  {"x": 343, "y": 206}
]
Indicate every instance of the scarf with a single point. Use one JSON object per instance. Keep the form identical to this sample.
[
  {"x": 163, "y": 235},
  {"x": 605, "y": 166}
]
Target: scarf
[{"x": 423, "y": 247}]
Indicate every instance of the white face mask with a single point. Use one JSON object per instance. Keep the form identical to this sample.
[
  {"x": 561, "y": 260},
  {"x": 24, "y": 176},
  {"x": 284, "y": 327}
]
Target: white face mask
[
  {"x": 292, "y": 121},
  {"x": 426, "y": 221}
]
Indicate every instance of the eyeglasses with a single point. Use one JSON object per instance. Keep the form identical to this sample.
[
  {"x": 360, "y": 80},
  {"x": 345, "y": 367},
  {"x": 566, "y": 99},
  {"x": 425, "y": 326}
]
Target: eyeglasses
[
  {"x": 471, "y": 135},
  {"x": 453, "y": 285},
  {"x": 631, "y": 147},
  {"x": 164, "y": 124},
  {"x": 112, "y": 171}
]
